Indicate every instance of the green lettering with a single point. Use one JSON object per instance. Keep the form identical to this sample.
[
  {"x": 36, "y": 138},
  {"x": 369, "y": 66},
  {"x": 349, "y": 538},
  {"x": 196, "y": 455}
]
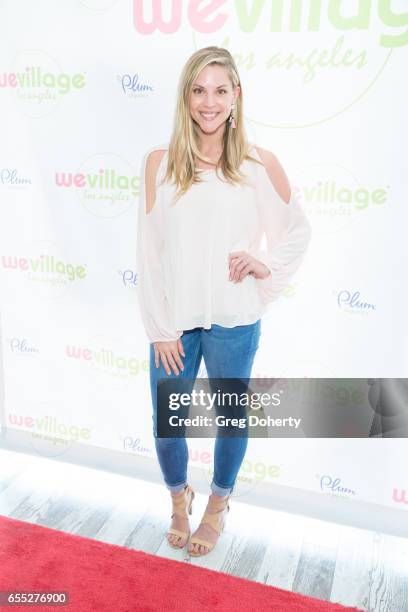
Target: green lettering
[
  {"x": 360, "y": 21},
  {"x": 391, "y": 19}
]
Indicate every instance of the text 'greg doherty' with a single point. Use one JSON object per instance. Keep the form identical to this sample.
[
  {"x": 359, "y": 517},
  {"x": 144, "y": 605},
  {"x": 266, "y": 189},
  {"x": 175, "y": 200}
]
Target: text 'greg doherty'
[
  {"x": 222, "y": 421},
  {"x": 255, "y": 401}
]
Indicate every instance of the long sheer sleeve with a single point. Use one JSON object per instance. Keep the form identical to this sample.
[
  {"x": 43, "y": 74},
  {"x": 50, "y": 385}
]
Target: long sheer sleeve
[
  {"x": 288, "y": 233},
  {"x": 153, "y": 305}
]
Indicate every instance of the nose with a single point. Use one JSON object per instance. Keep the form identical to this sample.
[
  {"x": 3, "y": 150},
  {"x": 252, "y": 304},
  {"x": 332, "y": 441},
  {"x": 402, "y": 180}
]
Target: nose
[{"x": 209, "y": 101}]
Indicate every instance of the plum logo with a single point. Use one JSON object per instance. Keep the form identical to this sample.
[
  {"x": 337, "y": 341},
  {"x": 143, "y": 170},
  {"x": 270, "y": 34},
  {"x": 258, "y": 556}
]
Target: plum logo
[
  {"x": 134, "y": 445},
  {"x": 19, "y": 345},
  {"x": 351, "y": 302},
  {"x": 39, "y": 83},
  {"x": 10, "y": 178},
  {"x": 104, "y": 183},
  {"x": 133, "y": 86},
  {"x": 128, "y": 278},
  {"x": 325, "y": 54},
  {"x": 333, "y": 485}
]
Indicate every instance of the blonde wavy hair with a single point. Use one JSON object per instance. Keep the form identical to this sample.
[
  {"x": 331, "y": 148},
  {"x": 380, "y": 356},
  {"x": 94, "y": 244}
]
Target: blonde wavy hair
[{"x": 183, "y": 145}]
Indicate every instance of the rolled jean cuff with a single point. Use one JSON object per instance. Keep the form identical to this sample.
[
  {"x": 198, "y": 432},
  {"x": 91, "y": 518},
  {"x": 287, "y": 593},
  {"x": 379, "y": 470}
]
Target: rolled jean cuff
[
  {"x": 221, "y": 491},
  {"x": 176, "y": 488}
]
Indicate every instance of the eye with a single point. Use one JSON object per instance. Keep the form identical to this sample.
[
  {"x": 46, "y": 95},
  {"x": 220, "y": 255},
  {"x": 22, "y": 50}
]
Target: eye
[{"x": 198, "y": 90}]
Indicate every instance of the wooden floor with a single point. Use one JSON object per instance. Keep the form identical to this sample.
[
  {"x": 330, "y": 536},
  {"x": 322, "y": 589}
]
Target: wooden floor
[{"x": 353, "y": 567}]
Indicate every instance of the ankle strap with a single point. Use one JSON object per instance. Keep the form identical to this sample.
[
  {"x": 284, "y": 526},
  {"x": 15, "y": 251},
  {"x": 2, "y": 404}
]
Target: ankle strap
[
  {"x": 221, "y": 503},
  {"x": 180, "y": 502}
]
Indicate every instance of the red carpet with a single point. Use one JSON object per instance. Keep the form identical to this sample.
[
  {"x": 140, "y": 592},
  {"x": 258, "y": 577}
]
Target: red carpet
[{"x": 102, "y": 577}]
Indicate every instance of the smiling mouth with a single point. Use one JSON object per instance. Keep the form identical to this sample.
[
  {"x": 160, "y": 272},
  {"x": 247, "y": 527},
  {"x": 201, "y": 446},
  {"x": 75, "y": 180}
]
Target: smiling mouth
[{"x": 209, "y": 116}]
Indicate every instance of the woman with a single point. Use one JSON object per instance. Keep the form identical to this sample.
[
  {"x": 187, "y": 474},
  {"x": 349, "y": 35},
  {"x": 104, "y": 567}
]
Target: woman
[{"x": 207, "y": 197}]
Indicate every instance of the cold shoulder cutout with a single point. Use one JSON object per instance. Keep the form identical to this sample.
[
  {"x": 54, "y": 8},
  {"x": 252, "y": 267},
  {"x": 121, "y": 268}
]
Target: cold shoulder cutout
[
  {"x": 276, "y": 174},
  {"x": 285, "y": 226},
  {"x": 153, "y": 304},
  {"x": 183, "y": 249},
  {"x": 152, "y": 165}
]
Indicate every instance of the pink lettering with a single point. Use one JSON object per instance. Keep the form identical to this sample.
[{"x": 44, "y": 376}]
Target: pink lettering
[
  {"x": 157, "y": 20},
  {"x": 197, "y": 17},
  {"x": 399, "y": 496}
]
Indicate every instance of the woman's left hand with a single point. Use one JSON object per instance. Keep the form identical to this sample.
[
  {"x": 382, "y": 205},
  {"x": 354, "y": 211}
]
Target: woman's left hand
[{"x": 242, "y": 263}]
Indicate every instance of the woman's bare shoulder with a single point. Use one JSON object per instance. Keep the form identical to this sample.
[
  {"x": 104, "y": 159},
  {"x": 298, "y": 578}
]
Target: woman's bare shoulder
[
  {"x": 154, "y": 157},
  {"x": 275, "y": 172}
]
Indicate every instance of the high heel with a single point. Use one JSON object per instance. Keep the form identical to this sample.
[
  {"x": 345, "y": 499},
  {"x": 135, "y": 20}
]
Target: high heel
[
  {"x": 217, "y": 522},
  {"x": 181, "y": 506}
]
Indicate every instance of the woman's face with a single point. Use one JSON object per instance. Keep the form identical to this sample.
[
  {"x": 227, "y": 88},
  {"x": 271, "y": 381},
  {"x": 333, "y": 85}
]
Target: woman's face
[{"x": 211, "y": 97}]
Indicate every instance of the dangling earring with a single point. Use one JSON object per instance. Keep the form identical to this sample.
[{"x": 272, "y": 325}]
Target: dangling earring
[{"x": 232, "y": 117}]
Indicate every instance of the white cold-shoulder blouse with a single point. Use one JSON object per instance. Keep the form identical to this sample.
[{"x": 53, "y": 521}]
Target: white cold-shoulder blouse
[{"x": 182, "y": 250}]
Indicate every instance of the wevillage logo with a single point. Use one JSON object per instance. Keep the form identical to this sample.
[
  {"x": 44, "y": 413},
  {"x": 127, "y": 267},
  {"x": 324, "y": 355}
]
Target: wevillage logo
[
  {"x": 105, "y": 184},
  {"x": 400, "y": 496},
  {"x": 10, "y": 178},
  {"x": 19, "y": 345},
  {"x": 50, "y": 426},
  {"x": 251, "y": 474},
  {"x": 352, "y": 303},
  {"x": 301, "y": 16},
  {"x": 107, "y": 361},
  {"x": 325, "y": 54},
  {"x": 333, "y": 485},
  {"x": 39, "y": 82},
  {"x": 133, "y": 86},
  {"x": 334, "y": 198},
  {"x": 313, "y": 368},
  {"x": 260, "y": 470},
  {"x": 46, "y": 269}
]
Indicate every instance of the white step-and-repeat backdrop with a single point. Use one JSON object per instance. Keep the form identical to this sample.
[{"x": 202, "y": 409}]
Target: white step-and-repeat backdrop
[{"x": 86, "y": 87}]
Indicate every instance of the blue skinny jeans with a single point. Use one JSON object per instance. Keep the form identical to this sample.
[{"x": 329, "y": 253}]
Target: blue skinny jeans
[{"x": 228, "y": 352}]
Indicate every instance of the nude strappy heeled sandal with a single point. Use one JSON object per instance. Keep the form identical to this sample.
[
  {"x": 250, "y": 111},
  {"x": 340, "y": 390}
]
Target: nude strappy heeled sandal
[
  {"x": 180, "y": 508},
  {"x": 212, "y": 519}
]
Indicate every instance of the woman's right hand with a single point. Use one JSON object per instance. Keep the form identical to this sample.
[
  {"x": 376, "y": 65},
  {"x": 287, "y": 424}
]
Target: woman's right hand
[{"x": 169, "y": 353}]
